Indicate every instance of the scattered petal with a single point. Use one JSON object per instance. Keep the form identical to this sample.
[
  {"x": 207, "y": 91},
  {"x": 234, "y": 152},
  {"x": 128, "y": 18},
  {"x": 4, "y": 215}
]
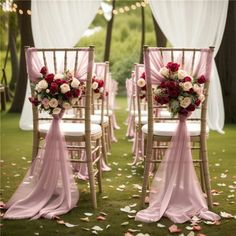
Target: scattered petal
[
  {"x": 174, "y": 229},
  {"x": 97, "y": 228},
  {"x": 85, "y": 219},
  {"x": 134, "y": 230},
  {"x": 88, "y": 214},
  {"x": 161, "y": 225},
  {"x": 128, "y": 234},
  {"x": 70, "y": 225},
  {"x": 133, "y": 205},
  {"x": 105, "y": 197},
  {"x": 225, "y": 215},
  {"x": 191, "y": 233},
  {"x": 94, "y": 232},
  {"x": 216, "y": 203},
  {"x": 125, "y": 223},
  {"x": 197, "y": 228},
  {"x": 108, "y": 226},
  {"x": 140, "y": 225},
  {"x": 131, "y": 217},
  {"x": 86, "y": 229},
  {"x": 103, "y": 213},
  {"x": 61, "y": 222},
  {"x": 189, "y": 228},
  {"x": 101, "y": 218}
]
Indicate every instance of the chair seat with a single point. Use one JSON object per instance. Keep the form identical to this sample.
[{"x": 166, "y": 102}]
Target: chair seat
[
  {"x": 98, "y": 112},
  {"x": 135, "y": 112},
  {"x": 168, "y": 128},
  {"x": 144, "y": 120},
  {"x": 72, "y": 129},
  {"x": 96, "y": 119}
]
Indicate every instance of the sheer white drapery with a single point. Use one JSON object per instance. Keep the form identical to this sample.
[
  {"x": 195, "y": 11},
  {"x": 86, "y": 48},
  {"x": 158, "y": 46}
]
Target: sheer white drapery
[
  {"x": 191, "y": 23},
  {"x": 57, "y": 23}
]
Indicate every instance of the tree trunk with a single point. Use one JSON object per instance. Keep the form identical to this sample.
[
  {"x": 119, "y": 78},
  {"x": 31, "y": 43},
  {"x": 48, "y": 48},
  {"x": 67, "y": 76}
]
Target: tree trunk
[
  {"x": 109, "y": 34},
  {"x": 160, "y": 37},
  {"x": 26, "y": 40},
  {"x": 225, "y": 61},
  {"x": 142, "y": 34},
  {"x": 12, "y": 46}
]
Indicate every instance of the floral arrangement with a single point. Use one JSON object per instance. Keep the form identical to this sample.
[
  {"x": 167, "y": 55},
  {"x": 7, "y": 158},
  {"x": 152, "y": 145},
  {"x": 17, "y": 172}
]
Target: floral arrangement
[
  {"x": 142, "y": 85},
  {"x": 98, "y": 87},
  {"x": 179, "y": 90},
  {"x": 55, "y": 92}
]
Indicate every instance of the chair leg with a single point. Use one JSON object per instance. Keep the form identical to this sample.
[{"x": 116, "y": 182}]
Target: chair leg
[
  {"x": 99, "y": 174},
  {"x": 92, "y": 182},
  {"x": 35, "y": 147},
  {"x": 104, "y": 150},
  {"x": 206, "y": 173}
]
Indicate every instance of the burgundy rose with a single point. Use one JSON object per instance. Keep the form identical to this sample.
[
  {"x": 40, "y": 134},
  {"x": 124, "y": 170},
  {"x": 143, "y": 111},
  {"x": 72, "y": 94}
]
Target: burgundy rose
[
  {"x": 142, "y": 96},
  {"x": 68, "y": 95},
  {"x": 144, "y": 88},
  {"x": 106, "y": 94},
  {"x": 49, "y": 78},
  {"x": 96, "y": 90},
  {"x": 183, "y": 111},
  {"x": 191, "y": 91},
  {"x": 44, "y": 70},
  {"x": 197, "y": 102},
  {"x": 100, "y": 83},
  {"x": 76, "y": 93},
  {"x": 59, "y": 82},
  {"x": 165, "y": 100},
  {"x": 34, "y": 101},
  {"x": 191, "y": 107},
  {"x": 173, "y": 93},
  {"x": 53, "y": 87},
  {"x": 187, "y": 78},
  {"x": 173, "y": 66},
  {"x": 163, "y": 84},
  {"x": 143, "y": 76},
  {"x": 201, "y": 79}
]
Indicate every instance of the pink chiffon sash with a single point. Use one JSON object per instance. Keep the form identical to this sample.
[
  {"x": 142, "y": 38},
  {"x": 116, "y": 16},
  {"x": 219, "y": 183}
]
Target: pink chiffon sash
[
  {"x": 48, "y": 188},
  {"x": 175, "y": 190}
]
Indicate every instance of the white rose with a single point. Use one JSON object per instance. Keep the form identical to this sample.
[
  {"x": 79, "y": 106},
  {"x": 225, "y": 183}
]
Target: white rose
[
  {"x": 96, "y": 95},
  {"x": 58, "y": 76},
  {"x": 101, "y": 90},
  {"x": 197, "y": 88},
  {"x": 53, "y": 103},
  {"x": 165, "y": 72},
  {"x": 56, "y": 111},
  {"x": 43, "y": 84},
  {"x": 182, "y": 74},
  {"x": 185, "y": 102},
  {"x": 201, "y": 97},
  {"x": 65, "y": 88},
  {"x": 75, "y": 83},
  {"x": 187, "y": 85},
  {"x": 157, "y": 91},
  {"x": 66, "y": 105},
  {"x": 47, "y": 91},
  {"x": 37, "y": 88},
  {"x": 95, "y": 85},
  {"x": 141, "y": 82}
]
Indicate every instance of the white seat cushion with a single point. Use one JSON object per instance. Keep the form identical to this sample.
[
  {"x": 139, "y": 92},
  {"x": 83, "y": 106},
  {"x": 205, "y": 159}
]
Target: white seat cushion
[
  {"x": 71, "y": 129},
  {"x": 98, "y": 112},
  {"x": 96, "y": 119},
  {"x": 168, "y": 128},
  {"x": 144, "y": 113},
  {"x": 144, "y": 120}
]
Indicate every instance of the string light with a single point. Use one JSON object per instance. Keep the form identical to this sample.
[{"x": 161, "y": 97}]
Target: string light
[
  {"x": 21, "y": 12},
  {"x": 29, "y": 12},
  {"x": 126, "y": 8}
]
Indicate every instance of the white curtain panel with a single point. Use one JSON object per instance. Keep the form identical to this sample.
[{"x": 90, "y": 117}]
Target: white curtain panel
[
  {"x": 192, "y": 23},
  {"x": 57, "y": 23}
]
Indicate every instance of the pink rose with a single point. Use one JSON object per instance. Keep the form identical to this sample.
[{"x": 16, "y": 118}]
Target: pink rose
[
  {"x": 44, "y": 70},
  {"x": 201, "y": 79},
  {"x": 173, "y": 67}
]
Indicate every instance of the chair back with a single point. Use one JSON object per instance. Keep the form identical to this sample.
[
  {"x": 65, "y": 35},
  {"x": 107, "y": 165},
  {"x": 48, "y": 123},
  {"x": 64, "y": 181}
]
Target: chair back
[{"x": 195, "y": 62}]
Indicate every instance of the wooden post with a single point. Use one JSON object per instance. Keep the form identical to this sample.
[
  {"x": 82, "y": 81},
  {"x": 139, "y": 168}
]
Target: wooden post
[{"x": 142, "y": 34}]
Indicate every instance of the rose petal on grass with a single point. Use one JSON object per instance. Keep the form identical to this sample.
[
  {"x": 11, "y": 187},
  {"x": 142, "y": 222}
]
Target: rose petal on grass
[
  {"x": 61, "y": 222},
  {"x": 134, "y": 230},
  {"x": 216, "y": 203},
  {"x": 135, "y": 196},
  {"x": 101, "y": 218},
  {"x": 191, "y": 233},
  {"x": 125, "y": 223},
  {"x": 70, "y": 225},
  {"x": 105, "y": 197},
  {"x": 85, "y": 229},
  {"x": 189, "y": 228},
  {"x": 160, "y": 225},
  {"x": 128, "y": 234},
  {"x": 131, "y": 217},
  {"x": 108, "y": 226},
  {"x": 225, "y": 215},
  {"x": 197, "y": 228},
  {"x": 94, "y": 232},
  {"x": 103, "y": 213},
  {"x": 84, "y": 219},
  {"x": 133, "y": 205},
  {"x": 88, "y": 214},
  {"x": 174, "y": 229},
  {"x": 97, "y": 228}
]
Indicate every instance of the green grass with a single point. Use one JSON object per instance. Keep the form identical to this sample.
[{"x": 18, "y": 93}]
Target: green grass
[{"x": 16, "y": 144}]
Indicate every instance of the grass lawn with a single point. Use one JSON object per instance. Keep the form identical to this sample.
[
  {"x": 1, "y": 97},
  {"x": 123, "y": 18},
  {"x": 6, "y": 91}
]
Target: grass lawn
[{"x": 16, "y": 156}]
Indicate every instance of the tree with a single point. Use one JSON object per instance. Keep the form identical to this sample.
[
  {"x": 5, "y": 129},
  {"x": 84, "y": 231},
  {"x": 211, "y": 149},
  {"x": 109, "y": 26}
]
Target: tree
[
  {"x": 26, "y": 40},
  {"x": 142, "y": 34},
  {"x": 109, "y": 34},
  {"x": 225, "y": 61}
]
